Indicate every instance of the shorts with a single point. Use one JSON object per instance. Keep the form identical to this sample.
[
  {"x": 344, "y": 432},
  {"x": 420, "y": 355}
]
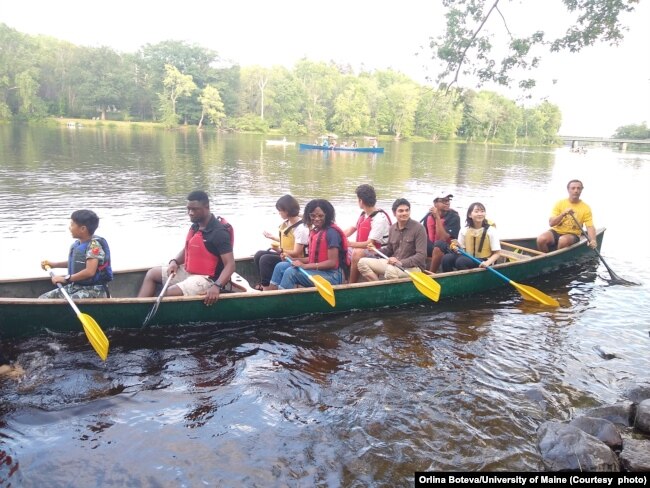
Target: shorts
[
  {"x": 190, "y": 284},
  {"x": 556, "y": 237}
]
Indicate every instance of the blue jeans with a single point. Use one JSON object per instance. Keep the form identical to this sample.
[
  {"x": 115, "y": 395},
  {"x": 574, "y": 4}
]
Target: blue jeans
[{"x": 286, "y": 276}]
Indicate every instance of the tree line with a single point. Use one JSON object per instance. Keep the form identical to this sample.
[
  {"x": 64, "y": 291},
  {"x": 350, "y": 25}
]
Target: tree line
[{"x": 173, "y": 82}]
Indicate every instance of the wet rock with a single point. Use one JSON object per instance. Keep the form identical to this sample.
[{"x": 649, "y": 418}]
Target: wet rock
[
  {"x": 642, "y": 418},
  {"x": 618, "y": 413},
  {"x": 602, "y": 429},
  {"x": 635, "y": 455},
  {"x": 638, "y": 393},
  {"x": 567, "y": 448}
]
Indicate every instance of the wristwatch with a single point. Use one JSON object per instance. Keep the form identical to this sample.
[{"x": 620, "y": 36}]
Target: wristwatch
[
  {"x": 218, "y": 285},
  {"x": 67, "y": 278}
]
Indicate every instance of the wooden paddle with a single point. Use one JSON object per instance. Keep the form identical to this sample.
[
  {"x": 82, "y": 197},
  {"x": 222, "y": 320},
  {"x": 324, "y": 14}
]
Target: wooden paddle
[
  {"x": 528, "y": 292},
  {"x": 426, "y": 285},
  {"x": 93, "y": 331},
  {"x": 615, "y": 278},
  {"x": 154, "y": 309},
  {"x": 323, "y": 286}
]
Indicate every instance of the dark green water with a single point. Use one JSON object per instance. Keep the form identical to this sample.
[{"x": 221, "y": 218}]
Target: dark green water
[{"x": 360, "y": 400}]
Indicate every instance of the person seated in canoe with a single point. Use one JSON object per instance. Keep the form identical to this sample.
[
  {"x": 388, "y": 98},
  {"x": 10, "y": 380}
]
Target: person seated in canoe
[
  {"x": 406, "y": 247},
  {"x": 564, "y": 232},
  {"x": 88, "y": 264},
  {"x": 374, "y": 143},
  {"x": 344, "y": 144},
  {"x": 332, "y": 144},
  {"x": 291, "y": 240},
  {"x": 442, "y": 225},
  {"x": 478, "y": 238},
  {"x": 328, "y": 247},
  {"x": 354, "y": 143},
  {"x": 206, "y": 262},
  {"x": 372, "y": 226},
  {"x": 325, "y": 143}
]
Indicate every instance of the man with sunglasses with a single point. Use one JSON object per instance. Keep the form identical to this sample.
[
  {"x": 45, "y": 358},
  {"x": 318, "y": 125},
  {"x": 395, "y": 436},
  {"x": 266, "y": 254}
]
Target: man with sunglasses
[{"x": 442, "y": 225}]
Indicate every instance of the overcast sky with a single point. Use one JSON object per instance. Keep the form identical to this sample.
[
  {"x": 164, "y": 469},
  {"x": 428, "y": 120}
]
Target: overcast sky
[{"x": 597, "y": 90}]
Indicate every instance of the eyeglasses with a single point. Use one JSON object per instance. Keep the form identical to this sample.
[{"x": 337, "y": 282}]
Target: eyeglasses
[{"x": 315, "y": 216}]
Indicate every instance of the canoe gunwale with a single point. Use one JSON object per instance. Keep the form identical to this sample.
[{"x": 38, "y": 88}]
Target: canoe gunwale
[{"x": 28, "y": 316}]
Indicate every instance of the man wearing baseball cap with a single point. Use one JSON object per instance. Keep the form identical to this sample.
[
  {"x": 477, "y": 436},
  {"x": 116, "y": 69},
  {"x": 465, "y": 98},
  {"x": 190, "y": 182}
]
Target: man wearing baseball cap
[{"x": 442, "y": 225}]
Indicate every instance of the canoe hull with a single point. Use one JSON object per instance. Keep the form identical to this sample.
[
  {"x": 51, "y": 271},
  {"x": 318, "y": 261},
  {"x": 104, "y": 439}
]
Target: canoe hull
[
  {"x": 342, "y": 149},
  {"x": 21, "y": 315}
]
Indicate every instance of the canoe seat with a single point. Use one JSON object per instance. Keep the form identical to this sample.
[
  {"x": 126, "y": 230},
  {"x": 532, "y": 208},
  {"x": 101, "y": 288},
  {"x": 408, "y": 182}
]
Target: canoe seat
[{"x": 513, "y": 256}]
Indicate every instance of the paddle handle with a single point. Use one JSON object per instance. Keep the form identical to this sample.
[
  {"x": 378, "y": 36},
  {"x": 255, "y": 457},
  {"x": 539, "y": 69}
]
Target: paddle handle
[
  {"x": 304, "y": 271},
  {"x": 489, "y": 268},
  {"x": 65, "y": 293},
  {"x": 377, "y": 251}
]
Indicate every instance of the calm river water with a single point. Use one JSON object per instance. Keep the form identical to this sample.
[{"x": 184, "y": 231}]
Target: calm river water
[{"x": 364, "y": 399}]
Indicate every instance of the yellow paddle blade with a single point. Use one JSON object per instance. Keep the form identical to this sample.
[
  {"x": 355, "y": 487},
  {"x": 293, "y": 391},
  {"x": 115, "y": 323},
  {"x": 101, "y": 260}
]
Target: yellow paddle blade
[
  {"x": 325, "y": 289},
  {"x": 426, "y": 285},
  {"x": 534, "y": 295},
  {"x": 95, "y": 335}
]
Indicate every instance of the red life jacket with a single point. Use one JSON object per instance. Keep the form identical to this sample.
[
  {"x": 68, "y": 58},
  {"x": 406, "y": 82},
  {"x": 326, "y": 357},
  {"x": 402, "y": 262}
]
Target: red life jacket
[
  {"x": 364, "y": 225},
  {"x": 430, "y": 225},
  {"x": 318, "y": 247},
  {"x": 201, "y": 260}
]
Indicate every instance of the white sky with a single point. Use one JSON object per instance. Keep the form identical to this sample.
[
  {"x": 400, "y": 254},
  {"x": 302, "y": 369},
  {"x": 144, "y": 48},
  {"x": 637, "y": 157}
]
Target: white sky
[{"x": 597, "y": 90}]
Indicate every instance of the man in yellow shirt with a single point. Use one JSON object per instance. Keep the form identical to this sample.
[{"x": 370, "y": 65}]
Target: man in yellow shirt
[{"x": 564, "y": 232}]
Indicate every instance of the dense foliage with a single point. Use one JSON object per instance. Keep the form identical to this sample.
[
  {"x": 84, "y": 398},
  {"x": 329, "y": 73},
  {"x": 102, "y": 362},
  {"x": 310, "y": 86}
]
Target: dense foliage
[
  {"x": 633, "y": 131},
  {"x": 175, "y": 83},
  {"x": 482, "y": 42}
]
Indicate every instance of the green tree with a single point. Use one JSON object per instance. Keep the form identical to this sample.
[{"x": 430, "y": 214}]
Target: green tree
[
  {"x": 176, "y": 85},
  {"x": 633, "y": 131},
  {"x": 438, "y": 114},
  {"x": 478, "y": 40},
  {"x": 105, "y": 81},
  {"x": 212, "y": 106},
  {"x": 351, "y": 107},
  {"x": 397, "y": 109},
  {"x": 31, "y": 105}
]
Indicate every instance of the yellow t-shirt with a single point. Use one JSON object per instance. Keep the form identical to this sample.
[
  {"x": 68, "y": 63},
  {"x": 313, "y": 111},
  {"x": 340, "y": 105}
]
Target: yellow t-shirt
[{"x": 581, "y": 211}]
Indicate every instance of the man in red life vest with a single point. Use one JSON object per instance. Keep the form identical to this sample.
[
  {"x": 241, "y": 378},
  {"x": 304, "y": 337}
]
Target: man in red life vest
[
  {"x": 442, "y": 225},
  {"x": 206, "y": 262},
  {"x": 372, "y": 226}
]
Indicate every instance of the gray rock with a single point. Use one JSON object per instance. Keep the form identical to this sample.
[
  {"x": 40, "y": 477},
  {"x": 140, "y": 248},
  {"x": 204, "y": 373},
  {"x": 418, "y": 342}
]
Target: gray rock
[
  {"x": 638, "y": 393},
  {"x": 618, "y": 413},
  {"x": 642, "y": 418},
  {"x": 635, "y": 455},
  {"x": 566, "y": 448},
  {"x": 602, "y": 429}
]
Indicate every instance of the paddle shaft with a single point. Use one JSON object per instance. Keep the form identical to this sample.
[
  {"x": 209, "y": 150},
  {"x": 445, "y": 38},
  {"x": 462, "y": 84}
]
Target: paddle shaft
[
  {"x": 65, "y": 294},
  {"x": 425, "y": 284},
  {"x": 154, "y": 309},
  {"x": 377, "y": 251},
  {"x": 614, "y": 276},
  {"x": 489, "y": 268}
]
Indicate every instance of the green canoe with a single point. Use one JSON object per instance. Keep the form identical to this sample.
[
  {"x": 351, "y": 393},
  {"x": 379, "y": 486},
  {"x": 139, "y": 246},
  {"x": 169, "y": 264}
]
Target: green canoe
[{"x": 21, "y": 314}]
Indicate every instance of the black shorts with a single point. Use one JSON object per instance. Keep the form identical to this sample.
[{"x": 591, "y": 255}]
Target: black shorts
[{"x": 556, "y": 238}]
